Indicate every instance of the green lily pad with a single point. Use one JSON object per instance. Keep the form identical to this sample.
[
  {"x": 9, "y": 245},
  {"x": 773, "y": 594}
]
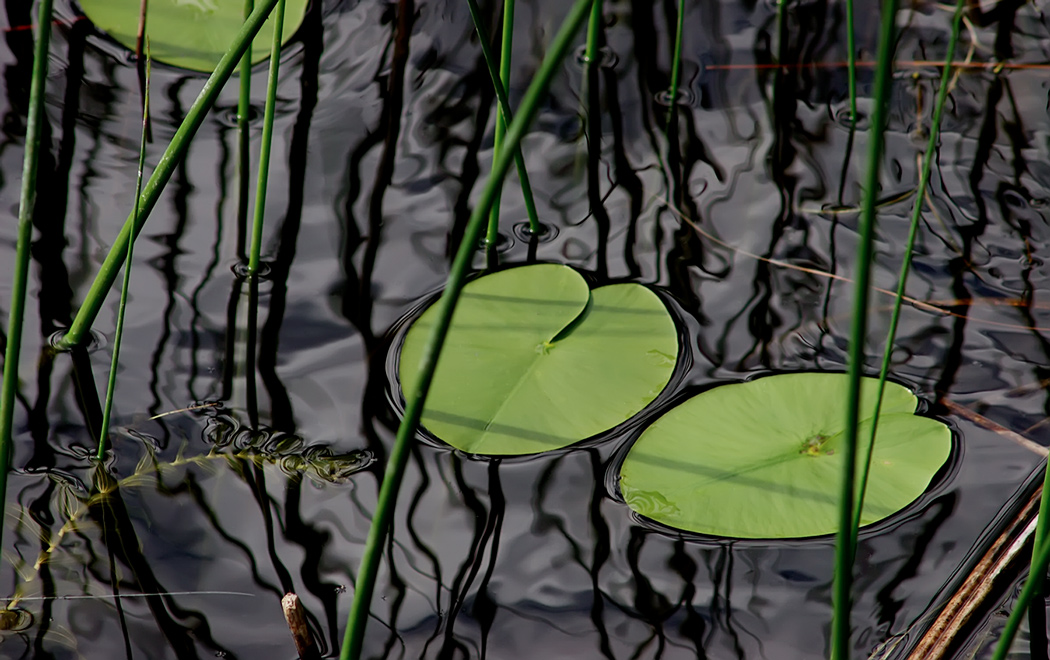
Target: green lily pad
[
  {"x": 192, "y": 34},
  {"x": 764, "y": 459},
  {"x": 535, "y": 361}
]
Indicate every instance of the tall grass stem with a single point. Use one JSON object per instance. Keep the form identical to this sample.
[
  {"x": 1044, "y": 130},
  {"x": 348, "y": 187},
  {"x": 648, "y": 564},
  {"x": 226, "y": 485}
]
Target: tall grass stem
[
  {"x": 173, "y": 155},
  {"x": 909, "y": 248},
  {"x": 267, "y": 139},
  {"x": 506, "y": 50},
  {"x": 676, "y": 65},
  {"x": 851, "y": 62},
  {"x": 118, "y": 336},
  {"x": 845, "y": 550},
  {"x": 365, "y": 583},
  {"x": 244, "y": 113},
  {"x": 26, "y": 202},
  {"x": 594, "y": 31},
  {"x": 504, "y": 105}
]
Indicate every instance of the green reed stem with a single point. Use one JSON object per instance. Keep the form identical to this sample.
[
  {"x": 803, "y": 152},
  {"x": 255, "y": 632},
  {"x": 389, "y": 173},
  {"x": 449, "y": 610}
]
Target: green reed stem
[
  {"x": 172, "y": 156},
  {"x": 358, "y": 617},
  {"x": 244, "y": 109},
  {"x": 267, "y": 139},
  {"x": 845, "y": 549},
  {"x": 676, "y": 64},
  {"x": 1032, "y": 587},
  {"x": 504, "y": 105},
  {"x": 913, "y": 231},
  {"x": 594, "y": 30},
  {"x": 118, "y": 336},
  {"x": 26, "y": 202},
  {"x": 851, "y": 62},
  {"x": 505, "y": 52}
]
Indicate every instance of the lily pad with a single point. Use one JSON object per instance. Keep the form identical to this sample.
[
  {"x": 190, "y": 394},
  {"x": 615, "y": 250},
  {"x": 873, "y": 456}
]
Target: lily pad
[
  {"x": 535, "y": 361},
  {"x": 764, "y": 459},
  {"x": 192, "y": 34}
]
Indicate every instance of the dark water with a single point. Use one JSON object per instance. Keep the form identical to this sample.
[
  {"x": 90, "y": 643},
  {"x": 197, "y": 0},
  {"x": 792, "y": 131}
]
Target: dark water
[{"x": 382, "y": 138}]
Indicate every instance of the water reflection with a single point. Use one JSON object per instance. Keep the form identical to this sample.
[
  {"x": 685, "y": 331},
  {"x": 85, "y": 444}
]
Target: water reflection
[{"x": 383, "y": 131}]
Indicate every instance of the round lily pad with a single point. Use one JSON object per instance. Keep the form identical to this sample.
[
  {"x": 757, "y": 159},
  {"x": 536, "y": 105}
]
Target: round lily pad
[
  {"x": 764, "y": 459},
  {"x": 192, "y": 34},
  {"x": 534, "y": 360}
]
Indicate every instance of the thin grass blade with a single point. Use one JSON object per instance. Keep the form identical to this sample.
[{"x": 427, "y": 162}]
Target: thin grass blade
[
  {"x": 504, "y": 105},
  {"x": 505, "y": 52},
  {"x": 844, "y": 544},
  {"x": 118, "y": 336},
  {"x": 676, "y": 64},
  {"x": 913, "y": 231},
  {"x": 26, "y": 202},
  {"x": 267, "y": 140},
  {"x": 244, "y": 112}
]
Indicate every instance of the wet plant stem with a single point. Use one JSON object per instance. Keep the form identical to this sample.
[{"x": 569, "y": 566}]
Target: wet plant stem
[
  {"x": 267, "y": 139},
  {"x": 851, "y": 62},
  {"x": 594, "y": 30},
  {"x": 365, "y": 583},
  {"x": 676, "y": 65},
  {"x": 504, "y": 105},
  {"x": 913, "y": 231},
  {"x": 26, "y": 203},
  {"x": 118, "y": 336},
  {"x": 173, "y": 155},
  {"x": 244, "y": 110},
  {"x": 845, "y": 549},
  {"x": 505, "y": 53}
]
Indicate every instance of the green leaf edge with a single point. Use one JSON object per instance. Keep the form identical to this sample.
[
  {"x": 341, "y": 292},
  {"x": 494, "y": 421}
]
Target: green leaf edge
[
  {"x": 653, "y": 505},
  {"x": 568, "y": 328}
]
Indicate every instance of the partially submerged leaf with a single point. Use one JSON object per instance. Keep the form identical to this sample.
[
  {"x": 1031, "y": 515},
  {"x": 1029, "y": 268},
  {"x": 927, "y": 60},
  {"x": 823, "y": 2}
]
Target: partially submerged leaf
[
  {"x": 763, "y": 459},
  {"x": 192, "y": 34},
  {"x": 535, "y": 361}
]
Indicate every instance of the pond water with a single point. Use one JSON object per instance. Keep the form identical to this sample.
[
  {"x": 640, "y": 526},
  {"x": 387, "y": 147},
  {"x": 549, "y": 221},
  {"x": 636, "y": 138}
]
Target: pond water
[{"x": 231, "y": 403}]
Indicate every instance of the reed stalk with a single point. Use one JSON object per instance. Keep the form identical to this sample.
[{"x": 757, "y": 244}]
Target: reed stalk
[
  {"x": 267, "y": 139},
  {"x": 173, "y": 155},
  {"x": 118, "y": 336},
  {"x": 594, "y": 30},
  {"x": 676, "y": 64},
  {"x": 26, "y": 203},
  {"x": 851, "y": 62},
  {"x": 845, "y": 549},
  {"x": 913, "y": 230},
  {"x": 244, "y": 109},
  {"x": 508, "y": 117},
  {"x": 365, "y": 583},
  {"x": 505, "y": 52}
]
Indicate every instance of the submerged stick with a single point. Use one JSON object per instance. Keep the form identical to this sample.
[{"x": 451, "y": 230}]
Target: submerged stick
[
  {"x": 365, "y": 583},
  {"x": 845, "y": 546},
  {"x": 173, "y": 155},
  {"x": 26, "y": 202},
  {"x": 296, "y": 618},
  {"x": 974, "y": 590}
]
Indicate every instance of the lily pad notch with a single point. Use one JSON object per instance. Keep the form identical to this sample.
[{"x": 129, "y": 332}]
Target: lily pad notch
[
  {"x": 535, "y": 360},
  {"x": 763, "y": 459}
]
